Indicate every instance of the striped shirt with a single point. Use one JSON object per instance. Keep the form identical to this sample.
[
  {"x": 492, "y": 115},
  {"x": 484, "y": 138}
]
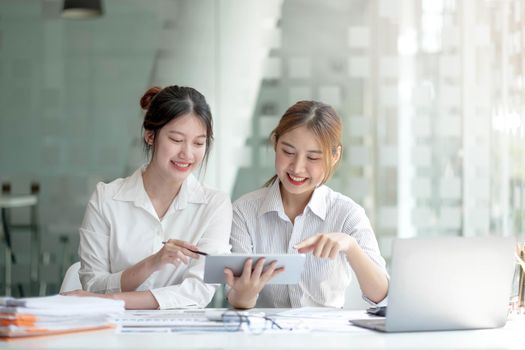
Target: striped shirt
[{"x": 261, "y": 226}]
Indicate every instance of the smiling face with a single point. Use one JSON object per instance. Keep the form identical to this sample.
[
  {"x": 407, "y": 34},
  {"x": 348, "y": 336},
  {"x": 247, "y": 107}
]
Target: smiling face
[
  {"x": 307, "y": 144},
  {"x": 179, "y": 147},
  {"x": 299, "y": 161}
]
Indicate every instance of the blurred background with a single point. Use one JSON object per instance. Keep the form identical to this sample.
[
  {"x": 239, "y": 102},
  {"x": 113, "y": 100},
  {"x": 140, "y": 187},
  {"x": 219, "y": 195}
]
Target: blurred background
[{"x": 431, "y": 93}]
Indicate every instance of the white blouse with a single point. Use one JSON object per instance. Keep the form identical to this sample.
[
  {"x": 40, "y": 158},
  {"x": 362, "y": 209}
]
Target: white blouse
[
  {"x": 121, "y": 228},
  {"x": 261, "y": 226}
]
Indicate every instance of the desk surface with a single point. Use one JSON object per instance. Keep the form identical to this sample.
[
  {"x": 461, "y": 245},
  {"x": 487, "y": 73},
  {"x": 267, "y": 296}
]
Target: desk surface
[{"x": 509, "y": 337}]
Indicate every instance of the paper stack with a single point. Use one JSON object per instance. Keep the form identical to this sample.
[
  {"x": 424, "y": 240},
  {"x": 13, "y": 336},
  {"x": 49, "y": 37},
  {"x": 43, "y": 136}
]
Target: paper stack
[{"x": 56, "y": 314}]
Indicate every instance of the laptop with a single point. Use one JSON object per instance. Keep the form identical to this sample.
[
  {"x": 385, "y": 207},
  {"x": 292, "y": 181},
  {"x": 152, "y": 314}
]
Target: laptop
[{"x": 448, "y": 283}]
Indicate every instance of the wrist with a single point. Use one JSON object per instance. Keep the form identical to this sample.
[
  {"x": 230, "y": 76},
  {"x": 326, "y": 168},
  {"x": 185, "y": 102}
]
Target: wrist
[
  {"x": 352, "y": 243},
  {"x": 152, "y": 263},
  {"x": 109, "y": 296},
  {"x": 241, "y": 301}
]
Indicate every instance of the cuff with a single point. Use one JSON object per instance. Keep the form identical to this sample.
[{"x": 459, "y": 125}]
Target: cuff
[
  {"x": 171, "y": 298},
  {"x": 383, "y": 302}
]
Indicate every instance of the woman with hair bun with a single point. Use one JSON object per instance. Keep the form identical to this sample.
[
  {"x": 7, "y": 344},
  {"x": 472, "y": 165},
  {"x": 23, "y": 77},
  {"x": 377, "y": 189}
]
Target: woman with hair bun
[
  {"x": 295, "y": 212},
  {"x": 140, "y": 235}
]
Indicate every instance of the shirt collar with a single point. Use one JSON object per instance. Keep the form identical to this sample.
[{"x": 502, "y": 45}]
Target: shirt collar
[
  {"x": 273, "y": 201},
  {"x": 319, "y": 201},
  {"x": 191, "y": 191},
  {"x": 132, "y": 190}
]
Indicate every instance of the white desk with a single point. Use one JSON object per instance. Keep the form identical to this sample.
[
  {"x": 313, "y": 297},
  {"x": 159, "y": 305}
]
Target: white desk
[{"x": 509, "y": 337}]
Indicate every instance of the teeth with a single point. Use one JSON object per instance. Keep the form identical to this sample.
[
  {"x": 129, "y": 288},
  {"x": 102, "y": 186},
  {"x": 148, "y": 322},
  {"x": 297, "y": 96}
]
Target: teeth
[
  {"x": 182, "y": 165},
  {"x": 298, "y": 179}
]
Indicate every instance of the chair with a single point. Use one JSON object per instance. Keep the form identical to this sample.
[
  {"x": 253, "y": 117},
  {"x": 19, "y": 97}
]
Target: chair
[
  {"x": 9, "y": 202},
  {"x": 71, "y": 280}
]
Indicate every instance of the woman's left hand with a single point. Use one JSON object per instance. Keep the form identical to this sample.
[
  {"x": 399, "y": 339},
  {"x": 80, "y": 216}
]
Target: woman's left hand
[{"x": 326, "y": 245}]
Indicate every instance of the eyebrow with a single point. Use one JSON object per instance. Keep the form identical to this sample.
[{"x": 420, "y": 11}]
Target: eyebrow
[
  {"x": 183, "y": 134},
  {"x": 310, "y": 151}
]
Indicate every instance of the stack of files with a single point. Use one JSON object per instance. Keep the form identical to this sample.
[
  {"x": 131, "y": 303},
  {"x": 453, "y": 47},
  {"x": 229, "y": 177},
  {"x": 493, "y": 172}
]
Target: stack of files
[{"x": 58, "y": 314}]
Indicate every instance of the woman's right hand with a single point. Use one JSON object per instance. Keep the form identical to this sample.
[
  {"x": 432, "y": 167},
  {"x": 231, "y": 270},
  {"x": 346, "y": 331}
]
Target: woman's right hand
[
  {"x": 174, "y": 252},
  {"x": 246, "y": 287}
]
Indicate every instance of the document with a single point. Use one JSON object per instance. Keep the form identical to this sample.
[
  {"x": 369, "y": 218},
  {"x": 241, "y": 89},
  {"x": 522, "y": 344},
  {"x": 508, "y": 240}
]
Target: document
[
  {"x": 56, "y": 314},
  {"x": 320, "y": 319},
  {"x": 167, "y": 321},
  {"x": 318, "y": 312},
  {"x": 61, "y": 305},
  {"x": 298, "y": 320},
  {"x": 203, "y": 320}
]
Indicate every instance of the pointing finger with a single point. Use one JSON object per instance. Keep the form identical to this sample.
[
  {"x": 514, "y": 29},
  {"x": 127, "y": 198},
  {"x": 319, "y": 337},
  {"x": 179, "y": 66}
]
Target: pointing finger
[{"x": 307, "y": 242}]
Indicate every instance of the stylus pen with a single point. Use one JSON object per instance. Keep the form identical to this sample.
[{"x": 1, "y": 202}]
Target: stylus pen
[{"x": 191, "y": 250}]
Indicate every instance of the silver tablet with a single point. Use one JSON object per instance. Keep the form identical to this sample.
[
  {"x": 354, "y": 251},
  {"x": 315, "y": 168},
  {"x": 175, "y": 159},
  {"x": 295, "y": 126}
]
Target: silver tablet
[{"x": 293, "y": 266}]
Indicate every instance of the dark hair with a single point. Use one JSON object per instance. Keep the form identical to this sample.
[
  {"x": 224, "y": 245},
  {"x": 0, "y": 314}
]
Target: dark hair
[
  {"x": 322, "y": 120},
  {"x": 164, "y": 105}
]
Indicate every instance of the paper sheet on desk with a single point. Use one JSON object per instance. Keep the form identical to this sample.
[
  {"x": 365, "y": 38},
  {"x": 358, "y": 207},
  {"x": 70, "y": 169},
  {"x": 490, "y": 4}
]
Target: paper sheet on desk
[
  {"x": 166, "y": 314},
  {"x": 160, "y": 317},
  {"x": 166, "y": 321},
  {"x": 322, "y": 312},
  {"x": 202, "y": 320},
  {"x": 333, "y": 320},
  {"x": 295, "y": 320}
]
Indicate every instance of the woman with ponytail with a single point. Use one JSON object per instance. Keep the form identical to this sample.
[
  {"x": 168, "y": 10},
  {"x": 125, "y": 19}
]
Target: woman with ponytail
[
  {"x": 295, "y": 212},
  {"x": 140, "y": 235}
]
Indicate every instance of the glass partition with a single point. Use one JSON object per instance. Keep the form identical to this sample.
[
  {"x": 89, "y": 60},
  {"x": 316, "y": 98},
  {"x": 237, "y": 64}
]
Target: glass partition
[{"x": 431, "y": 93}]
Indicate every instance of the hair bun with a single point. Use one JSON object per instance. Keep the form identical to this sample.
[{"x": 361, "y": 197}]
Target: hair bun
[{"x": 148, "y": 96}]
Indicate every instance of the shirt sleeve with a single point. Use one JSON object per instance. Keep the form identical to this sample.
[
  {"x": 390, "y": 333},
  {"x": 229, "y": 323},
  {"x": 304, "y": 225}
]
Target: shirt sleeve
[
  {"x": 240, "y": 238},
  {"x": 359, "y": 227},
  {"x": 93, "y": 250},
  {"x": 193, "y": 292}
]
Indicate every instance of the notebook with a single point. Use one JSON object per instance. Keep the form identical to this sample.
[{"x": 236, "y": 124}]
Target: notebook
[{"x": 447, "y": 283}]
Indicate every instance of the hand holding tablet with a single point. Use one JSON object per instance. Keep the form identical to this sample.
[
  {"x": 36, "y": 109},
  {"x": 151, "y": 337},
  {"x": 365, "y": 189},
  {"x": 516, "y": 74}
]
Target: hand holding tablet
[{"x": 293, "y": 265}]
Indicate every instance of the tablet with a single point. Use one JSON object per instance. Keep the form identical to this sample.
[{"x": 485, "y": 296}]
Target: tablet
[{"x": 293, "y": 266}]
